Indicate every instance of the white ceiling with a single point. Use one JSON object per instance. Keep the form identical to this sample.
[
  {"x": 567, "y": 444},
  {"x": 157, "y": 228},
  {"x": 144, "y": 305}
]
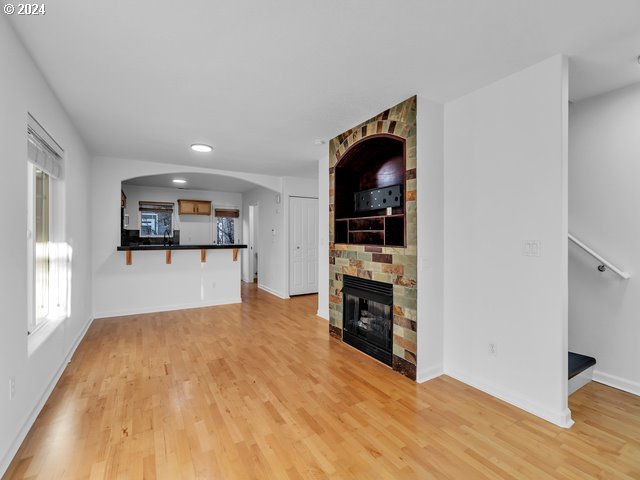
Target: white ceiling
[
  {"x": 195, "y": 181},
  {"x": 260, "y": 80},
  {"x": 605, "y": 67}
]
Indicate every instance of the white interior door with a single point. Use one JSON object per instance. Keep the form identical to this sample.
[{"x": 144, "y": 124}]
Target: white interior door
[{"x": 303, "y": 245}]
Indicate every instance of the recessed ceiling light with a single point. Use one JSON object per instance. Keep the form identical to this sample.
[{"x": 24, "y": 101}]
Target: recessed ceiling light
[
  {"x": 201, "y": 147},
  {"x": 319, "y": 141},
  {"x": 179, "y": 180}
]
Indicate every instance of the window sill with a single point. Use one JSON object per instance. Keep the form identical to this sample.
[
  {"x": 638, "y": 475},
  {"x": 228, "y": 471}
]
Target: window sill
[{"x": 40, "y": 335}]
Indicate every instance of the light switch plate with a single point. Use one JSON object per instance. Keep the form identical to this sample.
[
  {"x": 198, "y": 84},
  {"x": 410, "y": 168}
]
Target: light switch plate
[{"x": 532, "y": 248}]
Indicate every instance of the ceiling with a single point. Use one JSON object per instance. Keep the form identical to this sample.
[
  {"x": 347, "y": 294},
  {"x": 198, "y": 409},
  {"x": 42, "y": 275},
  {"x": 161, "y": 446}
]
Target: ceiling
[
  {"x": 195, "y": 181},
  {"x": 605, "y": 67},
  {"x": 261, "y": 80}
]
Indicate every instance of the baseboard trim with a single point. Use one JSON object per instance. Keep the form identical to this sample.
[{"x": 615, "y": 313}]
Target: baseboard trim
[
  {"x": 561, "y": 418},
  {"x": 273, "y": 292},
  {"x": 614, "y": 381},
  {"x": 26, "y": 426},
  {"x": 324, "y": 314},
  {"x": 429, "y": 373},
  {"x": 166, "y": 308}
]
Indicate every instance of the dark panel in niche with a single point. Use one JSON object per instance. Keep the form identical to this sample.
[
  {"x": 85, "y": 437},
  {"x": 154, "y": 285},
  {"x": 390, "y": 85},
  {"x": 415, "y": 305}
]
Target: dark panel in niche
[{"x": 378, "y": 198}]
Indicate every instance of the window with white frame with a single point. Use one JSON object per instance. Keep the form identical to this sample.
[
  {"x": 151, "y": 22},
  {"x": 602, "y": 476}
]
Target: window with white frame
[
  {"x": 49, "y": 255},
  {"x": 225, "y": 225}
]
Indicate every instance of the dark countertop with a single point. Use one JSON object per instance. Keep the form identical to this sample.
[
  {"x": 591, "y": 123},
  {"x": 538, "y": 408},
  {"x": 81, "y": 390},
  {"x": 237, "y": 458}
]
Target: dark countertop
[{"x": 178, "y": 247}]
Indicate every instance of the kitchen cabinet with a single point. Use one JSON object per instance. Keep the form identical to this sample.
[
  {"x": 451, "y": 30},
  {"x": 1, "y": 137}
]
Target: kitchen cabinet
[{"x": 194, "y": 207}]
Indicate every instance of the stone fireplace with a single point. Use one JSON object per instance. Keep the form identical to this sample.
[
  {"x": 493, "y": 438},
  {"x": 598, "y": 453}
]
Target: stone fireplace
[
  {"x": 368, "y": 316},
  {"x": 373, "y": 237}
]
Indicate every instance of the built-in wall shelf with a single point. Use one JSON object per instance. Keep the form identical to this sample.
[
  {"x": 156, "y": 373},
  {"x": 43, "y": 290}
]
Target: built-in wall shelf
[
  {"x": 370, "y": 180},
  {"x": 128, "y": 249},
  {"x": 382, "y": 231}
]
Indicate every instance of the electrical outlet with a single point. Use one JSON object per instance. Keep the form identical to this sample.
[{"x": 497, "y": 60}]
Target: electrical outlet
[
  {"x": 12, "y": 388},
  {"x": 493, "y": 349}
]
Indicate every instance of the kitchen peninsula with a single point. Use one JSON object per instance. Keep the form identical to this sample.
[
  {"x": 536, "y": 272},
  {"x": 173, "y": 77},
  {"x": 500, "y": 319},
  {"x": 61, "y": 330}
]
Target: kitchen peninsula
[
  {"x": 156, "y": 278},
  {"x": 178, "y": 248}
]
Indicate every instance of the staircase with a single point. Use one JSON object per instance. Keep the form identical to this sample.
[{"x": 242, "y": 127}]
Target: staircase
[
  {"x": 580, "y": 371},
  {"x": 580, "y": 366}
]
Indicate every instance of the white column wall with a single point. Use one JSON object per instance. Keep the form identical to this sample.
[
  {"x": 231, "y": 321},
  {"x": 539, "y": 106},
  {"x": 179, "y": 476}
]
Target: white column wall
[
  {"x": 323, "y": 238},
  {"x": 506, "y": 183},
  {"x": 430, "y": 198}
]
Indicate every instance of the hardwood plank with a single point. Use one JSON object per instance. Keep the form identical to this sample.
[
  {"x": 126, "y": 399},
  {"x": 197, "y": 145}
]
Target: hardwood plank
[{"x": 260, "y": 390}]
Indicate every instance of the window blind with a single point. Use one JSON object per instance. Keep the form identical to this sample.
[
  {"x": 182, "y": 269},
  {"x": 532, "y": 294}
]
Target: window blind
[
  {"x": 42, "y": 150},
  {"x": 155, "y": 206},
  {"x": 227, "y": 213}
]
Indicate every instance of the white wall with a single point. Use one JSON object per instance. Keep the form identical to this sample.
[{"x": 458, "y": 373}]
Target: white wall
[
  {"x": 294, "y": 187},
  {"x": 272, "y": 262},
  {"x": 25, "y": 90},
  {"x": 604, "y": 175},
  {"x": 323, "y": 238},
  {"x": 430, "y": 198},
  {"x": 300, "y": 187},
  {"x": 149, "y": 284},
  {"x": 505, "y": 182},
  {"x": 194, "y": 229},
  {"x": 273, "y": 258}
]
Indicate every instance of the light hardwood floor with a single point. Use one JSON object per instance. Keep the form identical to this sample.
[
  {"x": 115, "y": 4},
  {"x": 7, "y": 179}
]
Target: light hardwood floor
[{"x": 260, "y": 391}]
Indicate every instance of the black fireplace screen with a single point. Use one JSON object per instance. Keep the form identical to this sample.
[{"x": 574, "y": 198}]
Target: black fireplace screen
[{"x": 367, "y": 316}]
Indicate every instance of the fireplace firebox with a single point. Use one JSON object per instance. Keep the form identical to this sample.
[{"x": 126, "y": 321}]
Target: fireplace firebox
[{"x": 368, "y": 316}]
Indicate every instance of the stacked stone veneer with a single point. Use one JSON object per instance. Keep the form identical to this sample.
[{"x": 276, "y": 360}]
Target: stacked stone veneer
[{"x": 394, "y": 265}]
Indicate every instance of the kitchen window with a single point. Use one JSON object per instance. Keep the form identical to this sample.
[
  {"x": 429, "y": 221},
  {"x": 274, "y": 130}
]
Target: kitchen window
[
  {"x": 156, "y": 219},
  {"x": 225, "y": 225},
  {"x": 225, "y": 231}
]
